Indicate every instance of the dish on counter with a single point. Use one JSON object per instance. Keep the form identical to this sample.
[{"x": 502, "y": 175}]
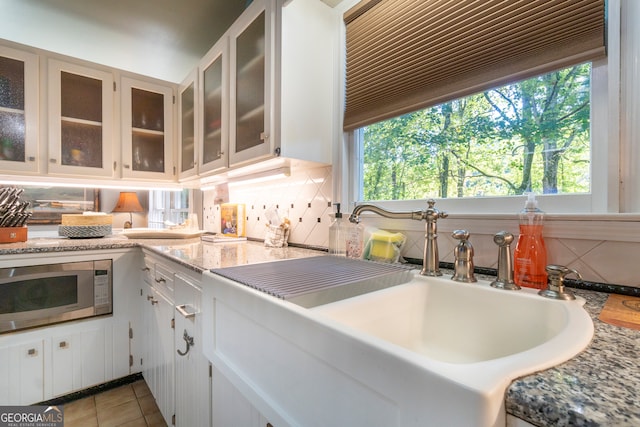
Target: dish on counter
[{"x": 161, "y": 233}]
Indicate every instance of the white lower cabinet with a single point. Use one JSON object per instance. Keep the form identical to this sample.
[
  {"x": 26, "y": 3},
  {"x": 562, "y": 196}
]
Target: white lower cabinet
[
  {"x": 174, "y": 366},
  {"x": 78, "y": 360},
  {"x": 22, "y": 373},
  {"x": 192, "y": 369},
  {"x": 46, "y": 362},
  {"x": 157, "y": 367}
]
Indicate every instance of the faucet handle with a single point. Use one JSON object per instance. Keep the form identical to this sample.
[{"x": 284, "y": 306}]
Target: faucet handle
[
  {"x": 463, "y": 253},
  {"x": 432, "y": 213},
  {"x": 555, "y": 287}
]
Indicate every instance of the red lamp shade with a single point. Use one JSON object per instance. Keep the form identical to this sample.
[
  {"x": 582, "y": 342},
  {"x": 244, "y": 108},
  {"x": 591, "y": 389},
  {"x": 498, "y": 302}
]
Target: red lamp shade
[{"x": 128, "y": 202}]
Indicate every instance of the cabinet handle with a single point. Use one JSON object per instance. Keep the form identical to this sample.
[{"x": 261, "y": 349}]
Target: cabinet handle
[
  {"x": 126, "y": 166},
  {"x": 189, "y": 341},
  {"x": 54, "y": 161},
  {"x": 264, "y": 136},
  {"x": 31, "y": 158},
  {"x": 154, "y": 302},
  {"x": 145, "y": 269},
  {"x": 160, "y": 280},
  {"x": 32, "y": 352},
  {"x": 182, "y": 309},
  {"x": 115, "y": 165},
  {"x": 63, "y": 344}
]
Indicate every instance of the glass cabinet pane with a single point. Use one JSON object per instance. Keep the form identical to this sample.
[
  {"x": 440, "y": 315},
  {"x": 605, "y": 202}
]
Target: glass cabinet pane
[
  {"x": 81, "y": 125},
  {"x": 250, "y": 80},
  {"x": 187, "y": 98},
  {"x": 147, "y": 119},
  {"x": 212, "y": 112},
  {"x": 12, "y": 126}
]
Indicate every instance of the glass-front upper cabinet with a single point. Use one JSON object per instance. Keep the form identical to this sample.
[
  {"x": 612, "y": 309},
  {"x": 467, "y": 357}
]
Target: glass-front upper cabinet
[
  {"x": 80, "y": 120},
  {"x": 187, "y": 104},
  {"x": 214, "y": 103},
  {"x": 250, "y": 81},
  {"x": 18, "y": 110},
  {"x": 147, "y": 130}
]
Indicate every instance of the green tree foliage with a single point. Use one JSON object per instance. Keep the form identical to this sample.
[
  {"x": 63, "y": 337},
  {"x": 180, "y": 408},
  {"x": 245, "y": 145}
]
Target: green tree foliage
[{"x": 531, "y": 135}]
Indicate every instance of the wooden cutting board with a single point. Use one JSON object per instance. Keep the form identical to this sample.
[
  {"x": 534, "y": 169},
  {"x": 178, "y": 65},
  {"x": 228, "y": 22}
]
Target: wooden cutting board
[{"x": 622, "y": 310}]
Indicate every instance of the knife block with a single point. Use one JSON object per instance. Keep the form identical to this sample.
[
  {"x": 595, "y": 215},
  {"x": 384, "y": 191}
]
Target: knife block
[{"x": 13, "y": 234}]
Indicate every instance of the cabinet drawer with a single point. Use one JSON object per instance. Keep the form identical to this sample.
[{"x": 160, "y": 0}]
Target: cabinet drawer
[
  {"x": 163, "y": 280},
  {"x": 148, "y": 271}
]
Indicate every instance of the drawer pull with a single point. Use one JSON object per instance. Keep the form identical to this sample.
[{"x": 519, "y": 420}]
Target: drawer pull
[
  {"x": 160, "y": 280},
  {"x": 186, "y": 310}
]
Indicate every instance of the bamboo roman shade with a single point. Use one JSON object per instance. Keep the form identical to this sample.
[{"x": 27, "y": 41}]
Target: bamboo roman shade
[{"x": 404, "y": 55}]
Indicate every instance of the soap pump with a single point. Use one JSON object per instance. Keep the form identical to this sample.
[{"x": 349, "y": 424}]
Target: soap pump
[
  {"x": 530, "y": 255},
  {"x": 337, "y": 234}
]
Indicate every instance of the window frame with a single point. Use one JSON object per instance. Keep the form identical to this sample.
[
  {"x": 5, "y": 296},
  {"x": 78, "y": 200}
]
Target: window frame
[{"x": 606, "y": 175}]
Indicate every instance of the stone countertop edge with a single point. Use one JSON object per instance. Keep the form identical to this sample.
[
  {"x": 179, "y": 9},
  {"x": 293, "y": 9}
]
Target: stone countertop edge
[{"x": 598, "y": 387}]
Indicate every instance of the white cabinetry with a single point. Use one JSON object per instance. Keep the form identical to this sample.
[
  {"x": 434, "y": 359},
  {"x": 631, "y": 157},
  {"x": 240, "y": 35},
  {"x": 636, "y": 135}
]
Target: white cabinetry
[
  {"x": 157, "y": 367},
  {"x": 147, "y": 130},
  {"x": 79, "y": 359},
  {"x": 177, "y": 373},
  {"x": 22, "y": 373},
  {"x": 214, "y": 108},
  {"x": 283, "y": 83},
  {"x": 46, "y": 362},
  {"x": 188, "y": 104},
  {"x": 268, "y": 87},
  {"x": 81, "y": 120},
  {"x": 18, "y": 110},
  {"x": 192, "y": 369}
]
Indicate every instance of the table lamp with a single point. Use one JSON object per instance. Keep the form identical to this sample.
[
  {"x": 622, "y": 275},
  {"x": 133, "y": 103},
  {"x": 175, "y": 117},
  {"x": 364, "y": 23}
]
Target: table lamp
[{"x": 128, "y": 202}]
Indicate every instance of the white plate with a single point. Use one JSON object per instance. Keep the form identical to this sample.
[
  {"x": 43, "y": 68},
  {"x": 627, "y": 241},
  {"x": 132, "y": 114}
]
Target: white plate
[{"x": 161, "y": 233}]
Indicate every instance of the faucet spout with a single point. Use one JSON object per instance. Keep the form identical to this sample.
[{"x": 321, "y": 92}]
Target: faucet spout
[{"x": 431, "y": 261}]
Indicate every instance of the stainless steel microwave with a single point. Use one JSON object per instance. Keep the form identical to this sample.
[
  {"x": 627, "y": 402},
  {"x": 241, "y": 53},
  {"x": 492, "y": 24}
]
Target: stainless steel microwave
[{"x": 40, "y": 295}]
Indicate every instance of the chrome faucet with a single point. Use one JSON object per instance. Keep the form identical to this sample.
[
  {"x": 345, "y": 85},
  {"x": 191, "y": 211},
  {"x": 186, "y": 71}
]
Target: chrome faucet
[{"x": 431, "y": 261}]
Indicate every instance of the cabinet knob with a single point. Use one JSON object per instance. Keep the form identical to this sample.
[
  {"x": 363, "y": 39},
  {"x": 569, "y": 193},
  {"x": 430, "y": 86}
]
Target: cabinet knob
[
  {"x": 31, "y": 158},
  {"x": 63, "y": 344},
  {"x": 54, "y": 161},
  {"x": 32, "y": 352},
  {"x": 126, "y": 166},
  {"x": 160, "y": 280}
]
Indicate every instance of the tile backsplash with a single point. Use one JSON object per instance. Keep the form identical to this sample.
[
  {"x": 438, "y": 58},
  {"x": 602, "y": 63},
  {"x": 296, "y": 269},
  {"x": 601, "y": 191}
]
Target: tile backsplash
[{"x": 305, "y": 197}]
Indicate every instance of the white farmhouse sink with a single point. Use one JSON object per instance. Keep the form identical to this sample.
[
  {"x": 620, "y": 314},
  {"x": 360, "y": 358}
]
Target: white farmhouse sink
[
  {"x": 429, "y": 352},
  {"x": 463, "y": 324}
]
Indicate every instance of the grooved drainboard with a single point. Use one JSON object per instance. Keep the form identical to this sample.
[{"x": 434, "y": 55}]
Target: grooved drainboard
[{"x": 314, "y": 281}]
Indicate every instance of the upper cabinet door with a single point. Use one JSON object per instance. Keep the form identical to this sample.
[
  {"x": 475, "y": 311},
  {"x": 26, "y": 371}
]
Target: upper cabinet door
[
  {"x": 188, "y": 126},
  {"x": 214, "y": 96},
  {"x": 251, "y": 63},
  {"x": 147, "y": 130},
  {"x": 80, "y": 120},
  {"x": 18, "y": 110}
]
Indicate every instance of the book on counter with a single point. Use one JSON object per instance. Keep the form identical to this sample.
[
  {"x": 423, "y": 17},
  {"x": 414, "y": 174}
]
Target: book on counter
[{"x": 221, "y": 238}]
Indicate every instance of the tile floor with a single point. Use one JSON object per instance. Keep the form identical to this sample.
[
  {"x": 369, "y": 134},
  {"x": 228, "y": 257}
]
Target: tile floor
[{"x": 130, "y": 405}]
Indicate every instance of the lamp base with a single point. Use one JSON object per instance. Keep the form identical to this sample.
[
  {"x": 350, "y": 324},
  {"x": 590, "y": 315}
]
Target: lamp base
[{"x": 127, "y": 224}]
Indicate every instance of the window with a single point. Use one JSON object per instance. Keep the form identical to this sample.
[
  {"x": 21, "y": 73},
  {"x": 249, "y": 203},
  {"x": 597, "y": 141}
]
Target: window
[
  {"x": 532, "y": 135},
  {"x": 168, "y": 206},
  {"x": 473, "y": 153}
]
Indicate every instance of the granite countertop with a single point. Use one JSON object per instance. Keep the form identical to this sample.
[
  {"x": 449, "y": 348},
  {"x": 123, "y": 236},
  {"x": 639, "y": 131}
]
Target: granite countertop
[{"x": 598, "y": 387}]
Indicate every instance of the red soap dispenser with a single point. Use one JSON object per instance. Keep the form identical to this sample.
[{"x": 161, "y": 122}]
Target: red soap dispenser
[{"x": 530, "y": 255}]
